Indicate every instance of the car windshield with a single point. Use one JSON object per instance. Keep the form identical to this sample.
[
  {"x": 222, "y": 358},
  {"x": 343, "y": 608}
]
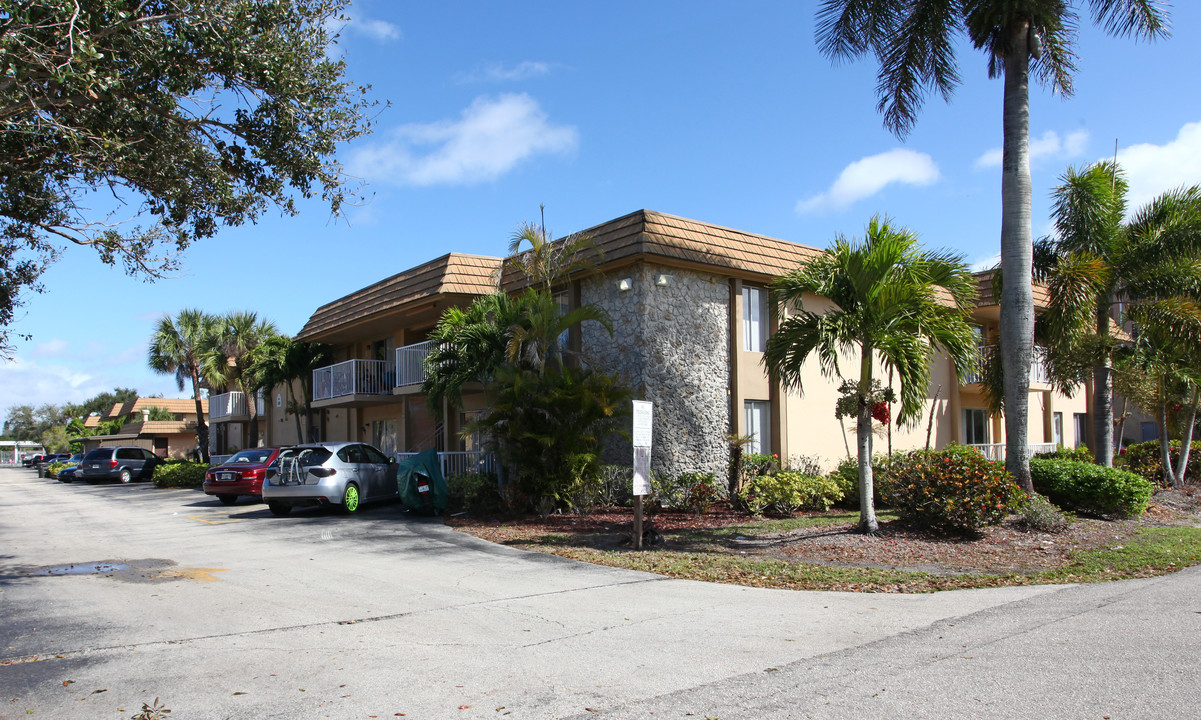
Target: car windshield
[{"x": 258, "y": 455}]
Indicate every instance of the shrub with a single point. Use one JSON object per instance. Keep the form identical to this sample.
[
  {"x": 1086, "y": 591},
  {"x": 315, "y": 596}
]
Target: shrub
[
  {"x": 757, "y": 464},
  {"x": 616, "y": 485},
  {"x": 700, "y": 491},
  {"x": 1039, "y": 514},
  {"x": 954, "y": 489},
  {"x": 846, "y": 476},
  {"x": 1145, "y": 459},
  {"x": 667, "y": 490},
  {"x": 805, "y": 465},
  {"x": 53, "y": 468},
  {"x": 786, "y": 492},
  {"x": 179, "y": 474},
  {"x": 473, "y": 491},
  {"x": 1078, "y": 454},
  {"x": 582, "y": 493},
  {"x": 1091, "y": 488}
]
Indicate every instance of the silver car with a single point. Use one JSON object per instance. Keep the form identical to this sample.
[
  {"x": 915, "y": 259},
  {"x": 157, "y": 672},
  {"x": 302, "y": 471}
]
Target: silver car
[{"x": 339, "y": 474}]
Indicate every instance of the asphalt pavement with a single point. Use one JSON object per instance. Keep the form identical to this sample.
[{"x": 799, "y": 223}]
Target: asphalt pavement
[{"x": 114, "y": 595}]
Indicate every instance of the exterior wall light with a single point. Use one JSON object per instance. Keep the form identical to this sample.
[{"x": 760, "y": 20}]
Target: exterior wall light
[
  {"x": 625, "y": 284},
  {"x": 663, "y": 280}
]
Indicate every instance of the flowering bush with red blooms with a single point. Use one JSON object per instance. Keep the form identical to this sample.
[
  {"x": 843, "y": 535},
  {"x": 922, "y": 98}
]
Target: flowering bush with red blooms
[
  {"x": 955, "y": 489},
  {"x": 881, "y": 412}
]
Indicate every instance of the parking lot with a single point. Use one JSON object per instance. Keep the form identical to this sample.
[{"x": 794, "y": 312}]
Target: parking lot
[{"x": 113, "y": 595}]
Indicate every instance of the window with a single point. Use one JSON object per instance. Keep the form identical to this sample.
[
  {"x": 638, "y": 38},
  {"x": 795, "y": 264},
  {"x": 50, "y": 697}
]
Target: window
[
  {"x": 975, "y": 426},
  {"x": 1057, "y": 429},
  {"x": 1081, "y": 428},
  {"x": 758, "y": 426},
  {"x": 564, "y": 305},
  {"x": 372, "y": 456},
  {"x": 383, "y": 435},
  {"x": 754, "y": 319}
]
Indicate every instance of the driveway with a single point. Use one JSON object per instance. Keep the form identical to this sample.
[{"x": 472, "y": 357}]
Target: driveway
[{"x": 113, "y": 595}]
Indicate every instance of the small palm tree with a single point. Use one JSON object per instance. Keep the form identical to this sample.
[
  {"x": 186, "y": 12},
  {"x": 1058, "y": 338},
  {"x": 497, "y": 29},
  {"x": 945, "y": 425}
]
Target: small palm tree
[
  {"x": 176, "y": 348},
  {"x": 894, "y": 302},
  {"x": 280, "y": 360},
  {"x": 229, "y": 354},
  {"x": 914, "y": 43},
  {"x": 1097, "y": 264},
  {"x": 548, "y": 261}
]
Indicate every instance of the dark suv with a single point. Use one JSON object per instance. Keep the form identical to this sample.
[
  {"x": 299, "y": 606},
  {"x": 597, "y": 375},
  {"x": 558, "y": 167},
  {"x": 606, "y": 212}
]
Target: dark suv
[{"x": 118, "y": 463}]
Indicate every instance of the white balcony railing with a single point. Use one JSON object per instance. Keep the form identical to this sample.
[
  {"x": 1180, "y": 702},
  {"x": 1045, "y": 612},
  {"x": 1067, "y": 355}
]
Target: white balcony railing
[
  {"x": 1038, "y": 367},
  {"x": 225, "y": 405},
  {"x": 454, "y": 464},
  {"x": 354, "y": 377},
  {"x": 996, "y": 451},
  {"x": 410, "y": 364}
]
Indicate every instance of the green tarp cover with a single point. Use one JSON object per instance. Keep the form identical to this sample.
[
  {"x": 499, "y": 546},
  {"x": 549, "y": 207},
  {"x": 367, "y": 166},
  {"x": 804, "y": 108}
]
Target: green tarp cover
[{"x": 420, "y": 467}]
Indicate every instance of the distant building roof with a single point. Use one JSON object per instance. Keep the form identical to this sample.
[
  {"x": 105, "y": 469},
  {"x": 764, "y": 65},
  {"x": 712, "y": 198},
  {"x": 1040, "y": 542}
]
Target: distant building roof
[{"x": 178, "y": 406}]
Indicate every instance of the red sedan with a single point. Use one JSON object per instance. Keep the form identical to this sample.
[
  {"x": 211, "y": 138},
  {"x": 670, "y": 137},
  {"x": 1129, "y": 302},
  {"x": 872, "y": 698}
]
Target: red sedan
[{"x": 242, "y": 474}]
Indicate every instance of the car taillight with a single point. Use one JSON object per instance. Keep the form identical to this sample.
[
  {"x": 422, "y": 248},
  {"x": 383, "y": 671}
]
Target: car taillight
[
  {"x": 112, "y": 463},
  {"x": 252, "y": 475}
]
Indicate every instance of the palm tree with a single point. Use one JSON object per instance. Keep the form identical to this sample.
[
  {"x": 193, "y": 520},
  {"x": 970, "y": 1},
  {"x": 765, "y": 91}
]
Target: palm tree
[
  {"x": 468, "y": 345},
  {"x": 913, "y": 41},
  {"x": 229, "y": 355},
  {"x": 1097, "y": 264},
  {"x": 888, "y": 296},
  {"x": 280, "y": 360},
  {"x": 547, "y": 261},
  {"x": 175, "y": 348}
]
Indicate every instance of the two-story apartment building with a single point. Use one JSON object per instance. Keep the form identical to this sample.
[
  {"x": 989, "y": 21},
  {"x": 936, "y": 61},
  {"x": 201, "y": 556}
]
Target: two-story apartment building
[{"x": 690, "y": 313}]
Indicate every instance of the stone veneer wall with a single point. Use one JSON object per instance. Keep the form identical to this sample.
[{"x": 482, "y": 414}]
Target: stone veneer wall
[{"x": 671, "y": 344}]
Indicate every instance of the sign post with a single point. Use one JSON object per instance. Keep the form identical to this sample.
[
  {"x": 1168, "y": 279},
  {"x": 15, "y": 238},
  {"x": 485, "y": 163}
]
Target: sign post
[{"x": 643, "y": 423}]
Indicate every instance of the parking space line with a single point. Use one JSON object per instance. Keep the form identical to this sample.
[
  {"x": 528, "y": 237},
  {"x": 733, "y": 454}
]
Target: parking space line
[{"x": 215, "y": 522}]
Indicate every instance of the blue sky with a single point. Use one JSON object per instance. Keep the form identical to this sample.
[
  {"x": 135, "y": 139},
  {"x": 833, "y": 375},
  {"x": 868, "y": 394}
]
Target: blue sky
[{"x": 717, "y": 111}]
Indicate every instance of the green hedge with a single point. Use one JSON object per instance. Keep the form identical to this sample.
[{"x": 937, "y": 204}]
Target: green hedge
[
  {"x": 1091, "y": 488},
  {"x": 179, "y": 474},
  {"x": 53, "y": 468}
]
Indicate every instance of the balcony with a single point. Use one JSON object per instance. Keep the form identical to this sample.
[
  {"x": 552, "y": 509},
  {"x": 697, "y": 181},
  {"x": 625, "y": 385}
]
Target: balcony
[
  {"x": 229, "y": 406},
  {"x": 354, "y": 382},
  {"x": 410, "y": 364},
  {"x": 1038, "y": 367}
]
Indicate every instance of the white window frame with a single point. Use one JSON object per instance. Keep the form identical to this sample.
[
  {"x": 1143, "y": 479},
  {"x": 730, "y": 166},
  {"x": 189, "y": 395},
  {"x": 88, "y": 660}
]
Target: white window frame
[
  {"x": 971, "y": 416},
  {"x": 757, "y": 415},
  {"x": 754, "y": 318}
]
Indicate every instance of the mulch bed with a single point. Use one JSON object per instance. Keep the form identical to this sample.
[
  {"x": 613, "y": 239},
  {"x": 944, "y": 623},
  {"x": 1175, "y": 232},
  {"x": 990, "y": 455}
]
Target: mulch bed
[{"x": 1005, "y": 548}]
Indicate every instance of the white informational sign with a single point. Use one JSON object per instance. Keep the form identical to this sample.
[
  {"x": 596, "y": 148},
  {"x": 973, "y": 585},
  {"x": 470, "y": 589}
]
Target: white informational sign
[{"x": 643, "y": 422}]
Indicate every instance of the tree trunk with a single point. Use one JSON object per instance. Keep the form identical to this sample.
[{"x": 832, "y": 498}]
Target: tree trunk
[
  {"x": 202, "y": 428},
  {"x": 252, "y": 409},
  {"x": 1017, "y": 296},
  {"x": 1103, "y": 397},
  {"x": 1165, "y": 442},
  {"x": 1186, "y": 441},
  {"x": 867, "y": 505}
]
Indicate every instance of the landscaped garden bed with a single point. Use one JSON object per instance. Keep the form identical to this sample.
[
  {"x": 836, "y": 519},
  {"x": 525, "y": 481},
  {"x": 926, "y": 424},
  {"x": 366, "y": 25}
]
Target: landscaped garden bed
[{"x": 822, "y": 551}]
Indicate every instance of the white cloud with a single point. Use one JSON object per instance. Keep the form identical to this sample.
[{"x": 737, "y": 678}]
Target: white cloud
[
  {"x": 378, "y": 30},
  {"x": 1153, "y": 170},
  {"x": 50, "y": 348},
  {"x": 1048, "y": 145},
  {"x": 495, "y": 72},
  {"x": 491, "y": 137},
  {"x": 864, "y": 178},
  {"x": 987, "y": 263}
]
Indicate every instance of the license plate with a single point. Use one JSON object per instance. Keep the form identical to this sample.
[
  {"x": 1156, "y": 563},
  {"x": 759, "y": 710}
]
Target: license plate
[
  {"x": 423, "y": 488},
  {"x": 95, "y": 467},
  {"x": 226, "y": 476}
]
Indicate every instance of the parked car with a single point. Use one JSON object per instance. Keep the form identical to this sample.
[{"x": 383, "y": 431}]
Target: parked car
[
  {"x": 67, "y": 474},
  {"x": 339, "y": 474},
  {"x": 118, "y": 463},
  {"x": 242, "y": 474},
  {"x": 33, "y": 460}
]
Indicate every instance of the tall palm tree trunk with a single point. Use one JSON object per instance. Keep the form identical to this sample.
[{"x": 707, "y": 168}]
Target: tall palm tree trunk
[
  {"x": 202, "y": 428},
  {"x": 867, "y": 509},
  {"x": 1103, "y": 397},
  {"x": 1017, "y": 296}
]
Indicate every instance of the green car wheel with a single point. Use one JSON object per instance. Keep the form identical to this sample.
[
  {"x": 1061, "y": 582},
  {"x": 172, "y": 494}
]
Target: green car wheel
[{"x": 350, "y": 498}]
